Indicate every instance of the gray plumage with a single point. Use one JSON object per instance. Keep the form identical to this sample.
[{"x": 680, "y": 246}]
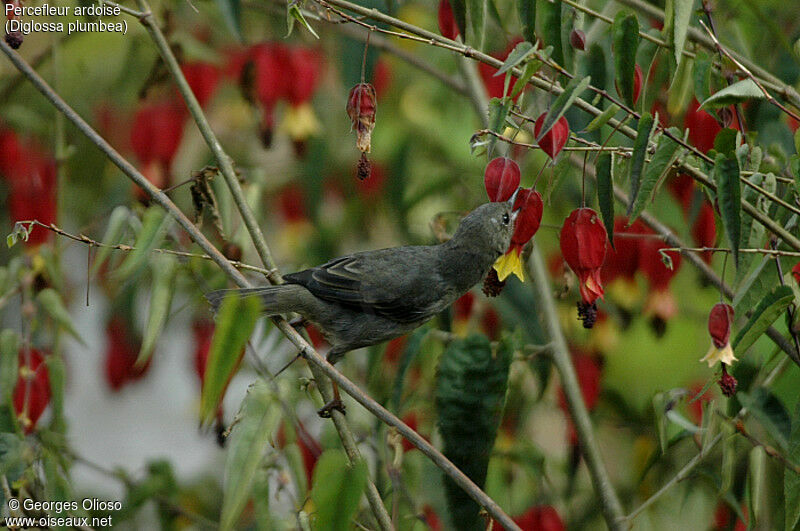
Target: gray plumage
[{"x": 370, "y": 297}]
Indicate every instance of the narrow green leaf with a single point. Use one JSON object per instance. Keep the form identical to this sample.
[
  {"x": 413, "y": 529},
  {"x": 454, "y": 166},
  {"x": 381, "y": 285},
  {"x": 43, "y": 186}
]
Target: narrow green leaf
[
  {"x": 726, "y": 141},
  {"x": 739, "y": 92},
  {"x": 51, "y": 303},
  {"x": 602, "y": 119},
  {"x": 498, "y": 112},
  {"x": 728, "y": 457},
  {"x": 729, "y": 199},
  {"x": 757, "y": 462},
  {"x": 293, "y": 13},
  {"x": 9, "y": 364},
  {"x": 769, "y": 411},
  {"x": 797, "y": 141},
  {"x": 57, "y": 375},
  {"x": 520, "y": 52},
  {"x": 752, "y": 234},
  {"x": 573, "y": 89},
  {"x": 605, "y": 191},
  {"x": 643, "y": 132},
  {"x": 549, "y": 16},
  {"x": 681, "y": 16},
  {"x": 337, "y": 490},
  {"x": 768, "y": 310},
  {"x": 755, "y": 285},
  {"x": 154, "y": 226},
  {"x": 163, "y": 268},
  {"x": 531, "y": 67},
  {"x": 667, "y": 152},
  {"x": 236, "y": 319},
  {"x": 596, "y": 65},
  {"x": 255, "y": 425},
  {"x": 477, "y": 18},
  {"x": 460, "y": 14},
  {"x": 791, "y": 479},
  {"x": 625, "y": 34},
  {"x": 232, "y": 15},
  {"x": 526, "y": 9},
  {"x": 681, "y": 421},
  {"x": 114, "y": 231},
  {"x": 702, "y": 76}
]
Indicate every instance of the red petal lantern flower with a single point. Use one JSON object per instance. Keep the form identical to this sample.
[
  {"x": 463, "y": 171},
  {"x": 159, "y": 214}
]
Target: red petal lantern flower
[
  {"x": 501, "y": 179},
  {"x": 583, "y": 245},
  {"x": 361, "y": 108},
  {"x": 538, "y": 518},
  {"x": 796, "y": 272},
  {"x": 202, "y": 78},
  {"x": 121, "y": 354},
  {"x": 496, "y": 84},
  {"x": 32, "y": 392},
  {"x": 638, "y": 77},
  {"x": 703, "y": 127},
  {"x": 156, "y": 134},
  {"x": 305, "y": 70},
  {"x": 555, "y": 139},
  {"x": 719, "y": 328},
  {"x": 529, "y": 203},
  {"x": 447, "y": 22},
  {"x": 661, "y": 303}
]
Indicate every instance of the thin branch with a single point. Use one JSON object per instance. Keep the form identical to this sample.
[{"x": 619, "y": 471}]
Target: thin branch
[
  {"x": 307, "y": 351},
  {"x": 769, "y": 450},
  {"x": 768, "y": 252}
]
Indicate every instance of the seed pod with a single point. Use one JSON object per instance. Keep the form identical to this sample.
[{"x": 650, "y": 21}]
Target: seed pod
[
  {"x": 577, "y": 39},
  {"x": 501, "y": 179}
]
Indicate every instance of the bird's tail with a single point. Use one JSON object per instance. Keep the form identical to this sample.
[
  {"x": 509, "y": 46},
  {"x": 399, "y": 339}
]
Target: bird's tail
[{"x": 269, "y": 296}]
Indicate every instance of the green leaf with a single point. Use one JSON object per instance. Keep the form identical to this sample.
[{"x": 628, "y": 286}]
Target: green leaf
[
  {"x": 769, "y": 411},
  {"x": 755, "y": 286},
  {"x": 477, "y": 18},
  {"x": 337, "y": 490},
  {"x": 236, "y": 319},
  {"x": 728, "y": 457},
  {"x": 520, "y": 52},
  {"x": 9, "y": 364},
  {"x": 791, "y": 479},
  {"x": 605, "y": 191},
  {"x": 640, "y": 143},
  {"x": 768, "y": 310},
  {"x": 250, "y": 437},
  {"x": 797, "y": 141},
  {"x": 154, "y": 227},
  {"x": 549, "y": 16},
  {"x": 460, "y": 14},
  {"x": 755, "y": 478},
  {"x": 625, "y": 34},
  {"x": 531, "y": 67},
  {"x": 232, "y": 15},
  {"x": 681, "y": 16},
  {"x": 729, "y": 199},
  {"x": 293, "y": 13},
  {"x": 596, "y": 65},
  {"x": 57, "y": 375},
  {"x": 116, "y": 226},
  {"x": 601, "y": 119},
  {"x": 739, "y": 92},
  {"x": 526, "y": 9},
  {"x": 50, "y": 301},
  {"x": 573, "y": 89},
  {"x": 702, "y": 76},
  {"x": 726, "y": 142},
  {"x": 164, "y": 268},
  {"x": 498, "y": 112},
  {"x": 667, "y": 152}
]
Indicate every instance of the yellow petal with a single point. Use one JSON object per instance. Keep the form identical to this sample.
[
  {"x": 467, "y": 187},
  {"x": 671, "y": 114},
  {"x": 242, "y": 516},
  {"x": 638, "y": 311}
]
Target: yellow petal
[
  {"x": 724, "y": 355},
  {"x": 300, "y": 122},
  {"x": 507, "y": 264}
]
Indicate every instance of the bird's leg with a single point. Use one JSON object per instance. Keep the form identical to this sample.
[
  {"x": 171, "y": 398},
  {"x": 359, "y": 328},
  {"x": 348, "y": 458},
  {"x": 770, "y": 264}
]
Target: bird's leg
[
  {"x": 336, "y": 403},
  {"x": 298, "y": 322}
]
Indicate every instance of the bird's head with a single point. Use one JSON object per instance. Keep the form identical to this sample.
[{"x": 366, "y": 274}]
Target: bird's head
[{"x": 489, "y": 227}]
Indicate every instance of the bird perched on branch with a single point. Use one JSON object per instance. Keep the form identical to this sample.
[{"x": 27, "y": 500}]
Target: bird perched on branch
[{"x": 369, "y": 297}]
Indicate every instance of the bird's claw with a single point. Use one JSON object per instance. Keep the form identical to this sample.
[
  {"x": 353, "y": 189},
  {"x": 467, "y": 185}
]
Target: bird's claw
[
  {"x": 326, "y": 410},
  {"x": 298, "y": 322}
]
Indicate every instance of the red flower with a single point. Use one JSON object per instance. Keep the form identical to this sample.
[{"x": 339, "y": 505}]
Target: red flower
[
  {"x": 32, "y": 392},
  {"x": 271, "y": 73},
  {"x": 704, "y": 230},
  {"x": 395, "y": 348},
  {"x": 305, "y": 72},
  {"x": 381, "y": 77},
  {"x": 462, "y": 308},
  {"x": 121, "y": 356},
  {"x": 501, "y": 178},
  {"x": 703, "y": 127},
  {"x": 529, "y": 203},
  {"x": 796, "y": 272},
  {"x": 361, "y": 108},
  {"x": 203, "y": 79},
  {"x": 292, "y": 204},
  {"x": 538, "y": 518},
  {"x": 583, "y": 245},
  {"x": 447, "y": 22},
  {"x": 577, "y": 39},
  {"x": 622, "y": 260},
  {"x": 652, "y": 264},
  {"x": 490, "y": 323},
  {"x": 495, "y": 84},
  {"x": 157, "y": 132},
  {"x": 555, "y": 139},
  {"x": 720, "y": 320},
  {"x": 589, "y": 370}
]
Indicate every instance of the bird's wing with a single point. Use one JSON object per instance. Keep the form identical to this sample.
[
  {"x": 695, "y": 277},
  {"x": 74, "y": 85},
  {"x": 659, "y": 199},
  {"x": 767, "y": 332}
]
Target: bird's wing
[{"x": 388, "y": 282}]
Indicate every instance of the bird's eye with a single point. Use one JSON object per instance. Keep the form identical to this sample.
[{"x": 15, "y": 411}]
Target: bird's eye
[{"x": 505, "y": 218}]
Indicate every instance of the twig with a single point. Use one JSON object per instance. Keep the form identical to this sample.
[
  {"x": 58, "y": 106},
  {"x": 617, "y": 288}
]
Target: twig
[
  {"x": 769, "y": 252},
  {"x": 769, "y": 450},
  {"x": 344, "y": 383}
]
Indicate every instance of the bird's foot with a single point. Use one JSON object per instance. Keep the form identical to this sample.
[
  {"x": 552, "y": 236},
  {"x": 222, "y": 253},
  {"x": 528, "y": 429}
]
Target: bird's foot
[
  {"x": 326, "y": 410},
  {"x": 298, "y": 322}
]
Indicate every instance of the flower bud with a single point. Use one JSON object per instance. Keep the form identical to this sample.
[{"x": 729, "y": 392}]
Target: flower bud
[
  {"x": 361, "y": 107},
  {"x": 719, "y": 328},
  {"x": 447, "y": 22},
  {"x": 727, "y": 383},
  {"x": 577, "y": 39},
  {"x": 555, "y": 139},
  {"x": 501, "y": 179}
]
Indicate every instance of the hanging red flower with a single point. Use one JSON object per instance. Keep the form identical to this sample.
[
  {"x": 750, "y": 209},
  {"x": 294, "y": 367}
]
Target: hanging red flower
[
  {"x": 501, "y": 179},
  {"x": 583, "y": 245},
  {"x": 32, "y": 392},
  {"x": 361, "y": 108},
  {"x": 703, "y": 127},
  {"x": 202, "y": 78},
  {"x": 720, "y": 320},
  {"x": 529, "y": 217},
  {"x": 121, "y": 354},
  {"x": 496, "y": 84},
  {"x": 447, "y": 22},
  {"x": 305, "y": 71},
  {"x": 537, "y": 518},
  {"x": 796, "y": 272},
  {"x": 555, "y": 139}
]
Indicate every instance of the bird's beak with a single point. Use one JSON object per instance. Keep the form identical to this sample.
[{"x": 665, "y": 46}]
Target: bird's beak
[{"x": 514, "y": 198}]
